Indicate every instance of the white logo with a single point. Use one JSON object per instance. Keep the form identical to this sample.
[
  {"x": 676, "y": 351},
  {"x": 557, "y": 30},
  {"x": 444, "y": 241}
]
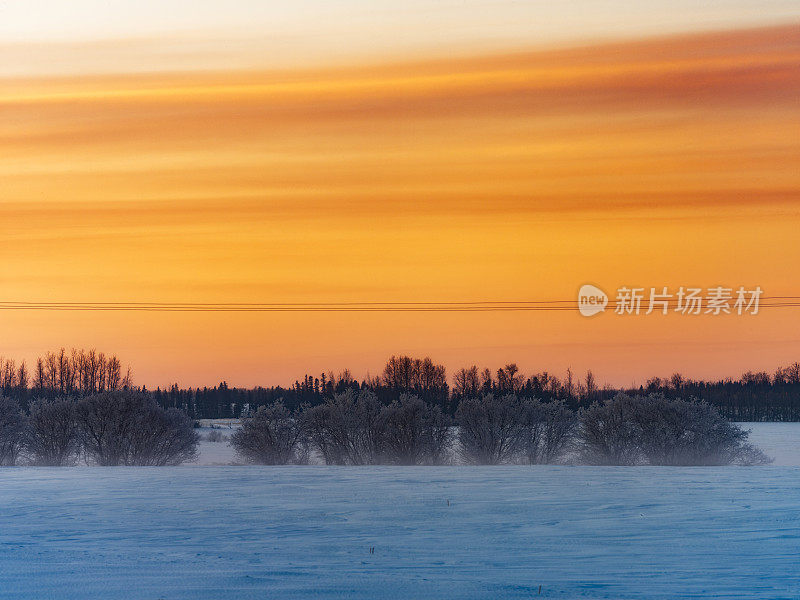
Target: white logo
[
  {"x": 591, "y": 300},
  {"x": 717, "y": 300}
]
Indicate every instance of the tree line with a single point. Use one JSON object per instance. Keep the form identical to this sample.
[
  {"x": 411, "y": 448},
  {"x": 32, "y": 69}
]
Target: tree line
[
  {"x": 111, "y": 428},
  {"x": 128, "y": 428},
  {"x": 758, "y": 396},
  {"x": 753, "y": 397},
  {"x": 355, "y": 428},
  {"x": 62, "y": 373}
]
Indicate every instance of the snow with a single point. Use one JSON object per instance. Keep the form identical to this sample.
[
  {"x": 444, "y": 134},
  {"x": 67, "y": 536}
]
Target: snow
[
  {"x": 224, "y": 532},
  {"x": 781, "y": 441},
  {"x": 216, "y": 453},
  {"x": 305, "y": 532}
]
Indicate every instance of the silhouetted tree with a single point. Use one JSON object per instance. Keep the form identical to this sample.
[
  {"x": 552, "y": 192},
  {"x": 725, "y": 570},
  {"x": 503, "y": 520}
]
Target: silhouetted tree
[
  {"x": 662, "y": 431},
  {"x": 466, "y": 382},
  {"x": 413, "y": 432},
  {"x": 423, "y": 377},
  {"x": 346, "y": 429},
  {"x": 12, "y": 431},
  {"x": 52, "y": 438},
  {"x": 491, "y": 429},
  {"x": 682, "y": 433},
  {"x": 608, "y": 433},
  {"x": 126, "y": 428},
  {"x": 271, "y": 436},
  {"x": 509, "y": 379},
  {"x": 550, "y": 429}
]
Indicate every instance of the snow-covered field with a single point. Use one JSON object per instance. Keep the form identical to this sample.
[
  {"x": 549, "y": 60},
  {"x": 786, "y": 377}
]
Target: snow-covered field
[
  {"x": 781, "y": 441},
  {"x": 437, "y": 532},
  {"x": 306, "y": 532}
]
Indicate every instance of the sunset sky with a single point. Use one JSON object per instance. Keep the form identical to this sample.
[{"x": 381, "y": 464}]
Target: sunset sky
[{"x": 369, "y": 151}]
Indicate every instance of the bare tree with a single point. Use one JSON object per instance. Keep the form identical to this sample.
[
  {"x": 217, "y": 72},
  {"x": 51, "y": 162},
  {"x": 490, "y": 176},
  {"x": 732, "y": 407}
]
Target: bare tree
[
  {"x": 662, "y": 431},
  {"x": 40, "y": 376},
  {"x": 509, "y": 379},
  {"x": 125, "y": 428},
  {"x": 684, "y": 433},
  {"x": 400, "y": 373},
  {"x": 12, "y": 431},
  {"x": 792, "y": 373},
  {"x": 491, "y": 429},
  {"x": 750, "y": 456},
  {"x": 654, "y": 383},
  {"x": 52, "y": 438},
  {"x": 779, "y": 377},
  {"x": 317, "y": 422},
  {"x": 432, "y": 377},
  {"x": 13, "y": 379},
  {"x": 8, "y": 374},
  {"x": 414, "y": 432},
  {"x": 487, "y": 381},
  {"x": 466, "y": 382},
  {"x": 215, "y": 437},
  {"x": 22, "y": 376},
  {"x": 422, "y": 376},
  {"x": 591, "y": 386},
  {"x": 347, "y": 428},
  {"x": 677, "y": 381},
  {"x": 161, "y": 438},
  {"x": 569, "y": 385},
  {"x": 550, "y": 428},
  {"x": 270, "y": 437},
  {"x": 609, "y": 434},
  {"x": 79, "y": 372}
]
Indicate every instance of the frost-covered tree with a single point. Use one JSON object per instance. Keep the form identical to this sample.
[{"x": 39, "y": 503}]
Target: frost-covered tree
[
  {"x": 414, "y": 432},
  {"x": 685, "y": 433},
  {"x": 661, "y": 431},
  {"x": 549, "y": 433},
  {"x": 52, "y": 438},
  {"x": 609, "y": 434},
  {"x": 491, "y": 429},
  {"x": 271, "y": 436},
  {"x": 347, "y": 429},
  {"x": 126, "y": 428},
  {"x": 12, "y": 431}
]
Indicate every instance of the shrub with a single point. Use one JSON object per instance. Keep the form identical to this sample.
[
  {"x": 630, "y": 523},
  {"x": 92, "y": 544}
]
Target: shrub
[
  {"x": 660, "y": 431},
  {"x": 347, "y": 428},
  {"x": 215, "y": 436},
  {"x": 12, "y": 431},
  {"x": 125, "y": 428},
  {"x": 491, "y": 429},
  {"x": 414, "y": 432},
  {"x": 750, "y": 456},
  {"x": 609, "y": 434},
  {"x": 685, "y": 433},
  {"x": 270, "y": 437},
  {"x": 52, "y": 437},
  {"x": 550, "y": 428}
]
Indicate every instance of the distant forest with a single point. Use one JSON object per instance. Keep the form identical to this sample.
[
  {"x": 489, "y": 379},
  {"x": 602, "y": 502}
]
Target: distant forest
[{"x": 758, "y": 396}]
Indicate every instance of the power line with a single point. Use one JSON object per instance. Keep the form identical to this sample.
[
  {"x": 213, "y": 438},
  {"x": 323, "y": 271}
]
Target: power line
[
  {"x": 323, "y": 304},
  {"x": 367, "y": 306}
]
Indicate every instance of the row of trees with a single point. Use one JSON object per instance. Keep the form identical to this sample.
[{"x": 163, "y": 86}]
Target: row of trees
[
  {"x": 354, "y": 428},
  {"x": 63, "y": 373},
  {"x": 755, "y": 396},
  {"x": 105, "y": 429}
]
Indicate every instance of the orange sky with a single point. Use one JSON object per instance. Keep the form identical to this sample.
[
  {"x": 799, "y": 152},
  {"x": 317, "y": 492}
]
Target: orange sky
[{"x": 516, "y": 176}]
